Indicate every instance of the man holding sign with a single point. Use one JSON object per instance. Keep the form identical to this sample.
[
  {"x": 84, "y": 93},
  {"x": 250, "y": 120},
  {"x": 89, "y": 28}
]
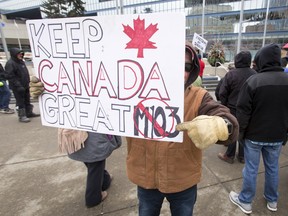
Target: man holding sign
[
  {"x": 163, "y": 169},
  {"x": 172, "y": 170},
  {"x": 95, "y": 83}
]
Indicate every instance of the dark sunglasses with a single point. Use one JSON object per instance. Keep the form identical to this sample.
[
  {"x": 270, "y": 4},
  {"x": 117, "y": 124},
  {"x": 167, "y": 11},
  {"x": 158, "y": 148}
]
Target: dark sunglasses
[{"x": 188, "y": 67}]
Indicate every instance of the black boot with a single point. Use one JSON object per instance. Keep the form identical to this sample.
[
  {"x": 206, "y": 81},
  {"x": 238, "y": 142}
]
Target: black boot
[
  {"x": 22, "y": 116},
  {"x": 30, "y": 113}
]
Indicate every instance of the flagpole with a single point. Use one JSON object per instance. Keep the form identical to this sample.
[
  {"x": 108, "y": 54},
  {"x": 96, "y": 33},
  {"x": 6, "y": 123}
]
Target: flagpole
[
  {"x": 4, "y": 41},
  {"x": 15, "y": 23},
  {"x": 265, "y": 25},
  {"x": 203, "y": 23},
  {"x": 240, "y": 27}
]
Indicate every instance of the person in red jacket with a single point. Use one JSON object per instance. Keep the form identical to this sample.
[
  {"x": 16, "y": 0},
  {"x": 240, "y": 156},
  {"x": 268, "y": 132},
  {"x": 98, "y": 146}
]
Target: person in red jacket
[{"x": 202, "y": 66}]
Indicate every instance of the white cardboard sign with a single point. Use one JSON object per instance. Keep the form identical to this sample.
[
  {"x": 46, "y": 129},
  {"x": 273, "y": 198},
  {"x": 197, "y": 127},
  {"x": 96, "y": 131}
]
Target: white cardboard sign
[
  {"x": 199, "y": 42},
  {"x": 121, "y": 75}
]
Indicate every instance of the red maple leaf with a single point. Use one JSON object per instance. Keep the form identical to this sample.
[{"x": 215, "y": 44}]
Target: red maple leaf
[{"x": 140, "y": 36}]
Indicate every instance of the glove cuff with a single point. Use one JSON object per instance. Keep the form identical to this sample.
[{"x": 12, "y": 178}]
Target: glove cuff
[{"x": 223, "y": 132}]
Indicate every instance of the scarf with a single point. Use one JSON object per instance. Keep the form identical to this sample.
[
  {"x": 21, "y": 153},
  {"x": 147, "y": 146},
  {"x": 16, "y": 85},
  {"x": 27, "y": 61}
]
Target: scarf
[{"x": 70, "y": 140}]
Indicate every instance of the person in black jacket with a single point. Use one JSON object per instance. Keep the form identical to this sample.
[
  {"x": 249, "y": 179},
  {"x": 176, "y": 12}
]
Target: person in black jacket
[
  {"x": 218, "y": 89},
  {"x": 230, "y": 67},
  {"x": 18, "y": 77},
  {"x": 5, "y": 93},
  {"x": 263, "y": 119},
  {"x": 228, "y": 95}
]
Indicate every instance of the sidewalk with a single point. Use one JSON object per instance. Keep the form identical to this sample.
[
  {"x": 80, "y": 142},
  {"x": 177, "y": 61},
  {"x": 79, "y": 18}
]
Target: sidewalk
[{"x": 35, "y": 180}]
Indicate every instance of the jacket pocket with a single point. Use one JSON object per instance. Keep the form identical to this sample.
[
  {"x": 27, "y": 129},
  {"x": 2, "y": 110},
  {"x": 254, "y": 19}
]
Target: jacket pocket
[{"x": 181, "y": 164}]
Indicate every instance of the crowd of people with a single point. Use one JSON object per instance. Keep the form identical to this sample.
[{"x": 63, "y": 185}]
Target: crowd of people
[
  {"x": 252, "y": 93},
  {"x": 162, "y": 169}
]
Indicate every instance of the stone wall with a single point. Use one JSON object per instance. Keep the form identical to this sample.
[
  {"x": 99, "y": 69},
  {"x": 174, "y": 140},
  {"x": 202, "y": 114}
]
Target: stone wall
[{"x": 215, "y": 71}]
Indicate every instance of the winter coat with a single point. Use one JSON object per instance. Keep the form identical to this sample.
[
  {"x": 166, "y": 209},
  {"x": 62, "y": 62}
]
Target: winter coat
[
  {"x": 284, "y": 62},
  {"x": 197, "y": 82},
  {"x": 218, "y": 89},
  {"x": 262, "y": 103},
  {"x": 97, "y": 147},
  {"x": 234, "y": 79},
  {"x": 202, "y": 67},
  {"x": 173, "y": 167},
  {"x": 2, "y": 73},
  {"x": 16, "y": 71}
]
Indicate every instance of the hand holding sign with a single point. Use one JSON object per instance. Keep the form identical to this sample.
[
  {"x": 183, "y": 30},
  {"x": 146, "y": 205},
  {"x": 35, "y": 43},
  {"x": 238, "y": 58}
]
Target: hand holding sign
[
  {"x": 36, "y": 87},
  {"x": 205, "y": 130}
]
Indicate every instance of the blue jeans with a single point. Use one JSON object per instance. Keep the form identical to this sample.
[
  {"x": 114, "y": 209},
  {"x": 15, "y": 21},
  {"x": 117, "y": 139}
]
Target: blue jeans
[
  {"x": 5, "y": 95},
  {"x": 270, "y": 155},
  {"x": 181, "y": 203}
]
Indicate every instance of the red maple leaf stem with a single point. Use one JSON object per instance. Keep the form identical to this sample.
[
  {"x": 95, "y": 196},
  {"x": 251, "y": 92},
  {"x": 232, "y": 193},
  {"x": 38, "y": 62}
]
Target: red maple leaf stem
[{"x": 140, "y": 53}]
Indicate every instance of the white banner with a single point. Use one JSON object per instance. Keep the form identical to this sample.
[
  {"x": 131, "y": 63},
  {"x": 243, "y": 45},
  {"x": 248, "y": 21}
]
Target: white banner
[{"x": 121, "y": 75}]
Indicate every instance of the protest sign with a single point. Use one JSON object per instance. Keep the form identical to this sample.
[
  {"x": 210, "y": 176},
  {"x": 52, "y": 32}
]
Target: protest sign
[
  {"x": 121, "y": 75},
  {"x": 199, "y": 42}
]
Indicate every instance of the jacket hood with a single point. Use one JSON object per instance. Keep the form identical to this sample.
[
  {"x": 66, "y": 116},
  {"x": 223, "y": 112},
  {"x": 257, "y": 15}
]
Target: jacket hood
[
  {"x": 243, "y": 59},
  {"x": 268, "y": 58},
  {"x": 14, "y": 52},
  {"x": 194, "y": 73}
]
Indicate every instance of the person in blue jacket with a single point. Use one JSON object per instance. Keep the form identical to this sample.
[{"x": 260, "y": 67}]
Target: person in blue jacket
[{"x": 5, "y": 93}]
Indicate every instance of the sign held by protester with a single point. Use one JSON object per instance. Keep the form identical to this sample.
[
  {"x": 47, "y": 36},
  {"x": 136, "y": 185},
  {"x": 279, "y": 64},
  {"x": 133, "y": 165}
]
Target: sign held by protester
[
  {"x": 199, "y": 42},
  {"x": 121, "y": 75}
]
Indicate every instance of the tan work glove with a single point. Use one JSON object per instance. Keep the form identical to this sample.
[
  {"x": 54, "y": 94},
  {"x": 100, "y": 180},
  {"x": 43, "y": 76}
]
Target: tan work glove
[
  {"x": 36, "y": 87},
  {"x": 205, "y": 130}
]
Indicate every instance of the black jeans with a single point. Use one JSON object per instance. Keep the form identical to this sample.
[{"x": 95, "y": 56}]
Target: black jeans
[
  {"x": 231, "y": 150},
  {"x": 98, "y": 180},
  {"x": 22, "y": 97}
]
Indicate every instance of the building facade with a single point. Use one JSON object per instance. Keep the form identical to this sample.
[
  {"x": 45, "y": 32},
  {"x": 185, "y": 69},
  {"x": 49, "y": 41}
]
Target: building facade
[{"x": 237, "y": 24}]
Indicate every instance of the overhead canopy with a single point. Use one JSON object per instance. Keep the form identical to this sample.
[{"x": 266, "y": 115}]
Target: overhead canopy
[
  {"x": 32, "y": 13},
  {"x": 285, "y": 47}
]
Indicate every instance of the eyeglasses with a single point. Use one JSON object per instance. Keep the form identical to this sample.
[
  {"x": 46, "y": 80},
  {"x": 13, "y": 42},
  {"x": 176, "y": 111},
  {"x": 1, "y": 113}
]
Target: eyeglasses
[{"x": 188, "y": 67}]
